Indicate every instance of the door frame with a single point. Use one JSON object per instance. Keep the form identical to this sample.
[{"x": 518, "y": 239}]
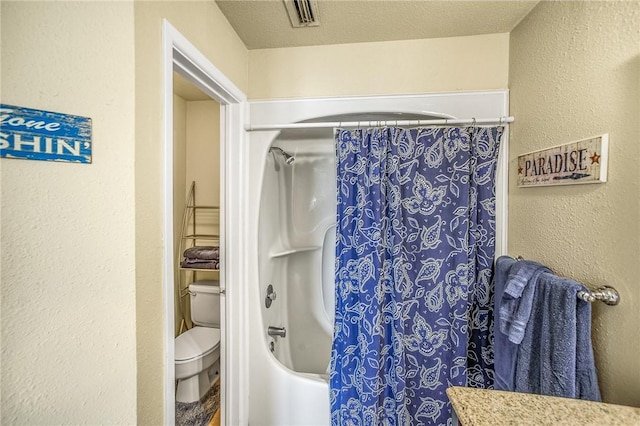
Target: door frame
[{"x": 180, "y": 55}]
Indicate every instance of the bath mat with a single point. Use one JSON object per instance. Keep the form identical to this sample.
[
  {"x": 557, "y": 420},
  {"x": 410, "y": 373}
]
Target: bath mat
[{"x": 199, "y": 413}]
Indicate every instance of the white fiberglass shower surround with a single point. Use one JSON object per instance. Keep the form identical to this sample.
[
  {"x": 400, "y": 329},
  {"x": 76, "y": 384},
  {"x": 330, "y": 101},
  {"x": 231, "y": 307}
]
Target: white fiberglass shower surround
[{"x": 292, "y": 205}]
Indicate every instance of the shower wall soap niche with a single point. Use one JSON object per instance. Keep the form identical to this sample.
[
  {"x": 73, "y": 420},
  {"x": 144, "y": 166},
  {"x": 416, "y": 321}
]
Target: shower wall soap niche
[{"x": 199, "y": 241}]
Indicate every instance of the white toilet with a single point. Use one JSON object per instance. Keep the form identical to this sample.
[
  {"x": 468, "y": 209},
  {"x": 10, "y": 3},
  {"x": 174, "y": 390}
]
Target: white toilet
[{"x": 197, "y": 351}]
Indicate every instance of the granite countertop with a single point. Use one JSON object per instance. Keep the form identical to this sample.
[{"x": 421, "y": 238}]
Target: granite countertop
[{"x": 480, "y": 407}]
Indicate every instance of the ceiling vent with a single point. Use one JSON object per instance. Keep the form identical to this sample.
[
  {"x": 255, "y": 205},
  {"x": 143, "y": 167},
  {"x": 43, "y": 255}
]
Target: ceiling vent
[{"x": 303, "y": 13}]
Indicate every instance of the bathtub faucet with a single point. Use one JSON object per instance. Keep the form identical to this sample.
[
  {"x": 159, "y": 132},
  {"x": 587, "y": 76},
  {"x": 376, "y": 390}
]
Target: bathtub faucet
[{"x": 277, "y": 331}]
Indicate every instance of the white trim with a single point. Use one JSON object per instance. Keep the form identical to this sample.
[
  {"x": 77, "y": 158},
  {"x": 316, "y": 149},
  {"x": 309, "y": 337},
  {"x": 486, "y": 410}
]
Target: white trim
[
  {"x": 446, "y": 105},
  {"x": 180, "y": 55},
  {"x": 502, "y": 189},
  {"x": 199, "y": 70},
  {"x": 167, "y": 227},
  {"x": 379, "y": 123}
]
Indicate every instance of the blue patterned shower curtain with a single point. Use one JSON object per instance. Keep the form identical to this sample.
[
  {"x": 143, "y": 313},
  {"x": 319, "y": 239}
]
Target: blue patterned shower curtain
[{"x": 414, "y": 253}]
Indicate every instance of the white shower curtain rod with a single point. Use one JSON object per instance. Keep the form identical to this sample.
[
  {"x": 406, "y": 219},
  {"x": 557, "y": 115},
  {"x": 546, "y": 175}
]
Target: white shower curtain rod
[{"x": 378, "y": 123}]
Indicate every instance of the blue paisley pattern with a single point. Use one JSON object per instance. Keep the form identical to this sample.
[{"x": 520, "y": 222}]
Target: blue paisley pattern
[{"x": 414, "y": 254}]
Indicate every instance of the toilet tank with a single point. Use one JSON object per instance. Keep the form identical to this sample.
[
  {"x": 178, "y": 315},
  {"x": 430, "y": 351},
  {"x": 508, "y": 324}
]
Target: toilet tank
[{"x": 205, "y": 303}]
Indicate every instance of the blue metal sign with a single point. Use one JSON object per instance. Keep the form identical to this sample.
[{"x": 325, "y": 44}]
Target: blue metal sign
[{"x": 33, "y": 134}]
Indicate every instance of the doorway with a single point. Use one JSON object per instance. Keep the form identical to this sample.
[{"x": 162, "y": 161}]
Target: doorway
[
  {"x": 181, "y": 57},
  {"x": 196, "y": 196}
]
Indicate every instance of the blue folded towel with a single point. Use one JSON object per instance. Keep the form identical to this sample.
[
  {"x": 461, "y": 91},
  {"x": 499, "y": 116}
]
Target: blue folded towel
[
  {"x": 505, "y": 352},
  {"x": 555, "y": 356},
  {"x": 517, "y": 298}
]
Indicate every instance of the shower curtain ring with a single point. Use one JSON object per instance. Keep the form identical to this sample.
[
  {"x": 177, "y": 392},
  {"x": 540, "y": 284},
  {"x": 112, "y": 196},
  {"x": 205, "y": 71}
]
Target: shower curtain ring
[
  {"x": 500, "y": 124},
  {"x": 474, "y": 122}
]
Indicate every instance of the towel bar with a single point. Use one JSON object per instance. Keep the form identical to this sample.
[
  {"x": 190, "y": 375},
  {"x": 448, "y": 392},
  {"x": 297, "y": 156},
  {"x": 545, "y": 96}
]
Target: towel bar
[{"x": 606, "y": 294}]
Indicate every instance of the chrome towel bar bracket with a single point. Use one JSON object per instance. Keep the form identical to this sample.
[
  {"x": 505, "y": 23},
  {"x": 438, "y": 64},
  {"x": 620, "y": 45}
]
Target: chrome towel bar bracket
[{"x": 606, "y": 294}]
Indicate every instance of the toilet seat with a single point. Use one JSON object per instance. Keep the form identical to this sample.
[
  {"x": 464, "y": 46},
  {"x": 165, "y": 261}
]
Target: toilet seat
[{"x": 196, "y": 343}]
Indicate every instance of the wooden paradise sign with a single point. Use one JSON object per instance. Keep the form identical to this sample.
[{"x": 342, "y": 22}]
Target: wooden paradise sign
[{"x": 583, "y": 161}]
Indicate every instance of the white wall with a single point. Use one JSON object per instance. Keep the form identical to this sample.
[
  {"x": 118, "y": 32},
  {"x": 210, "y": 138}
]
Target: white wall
[
  {"x": 68, "y": 254},
  {"x": 379, "y": 68},
  {"x": 575, "y": 73}
]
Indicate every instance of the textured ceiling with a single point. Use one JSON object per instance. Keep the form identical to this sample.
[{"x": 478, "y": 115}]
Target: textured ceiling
[{"x": 265, "y": 23}]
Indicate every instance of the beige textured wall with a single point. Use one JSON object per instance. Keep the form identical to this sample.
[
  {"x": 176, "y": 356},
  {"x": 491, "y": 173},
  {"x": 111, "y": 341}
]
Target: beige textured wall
[
  {"x": 203, "y": 167},
  {"x": 394, "y": 67},
  {"x": 203, "y": 150},
  {"x": 196, "y": 133},
  {"x": 201, "y": 161},
  {"x": 68, "y": 284},
  {"x": 203, "y": 24},
  {"x": 575, "y": 73}
]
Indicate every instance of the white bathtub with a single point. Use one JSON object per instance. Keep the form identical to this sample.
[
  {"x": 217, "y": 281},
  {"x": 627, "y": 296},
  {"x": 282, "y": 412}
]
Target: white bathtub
[
  {"x": 298, "y": 209},
  {"x": 293, "y": 244}
]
